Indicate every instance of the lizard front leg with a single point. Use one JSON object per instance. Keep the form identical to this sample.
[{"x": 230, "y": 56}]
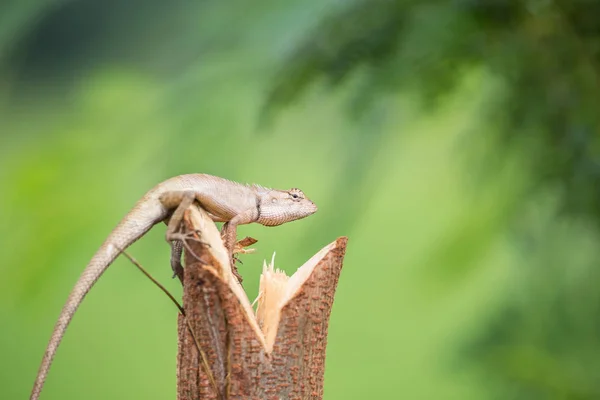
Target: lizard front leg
[{"x": 229, "y": 234}]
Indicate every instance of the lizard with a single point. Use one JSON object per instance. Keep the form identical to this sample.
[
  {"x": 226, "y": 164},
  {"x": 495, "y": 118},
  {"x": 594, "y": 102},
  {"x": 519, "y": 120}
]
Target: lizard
[{"x": 224, "y": 200}]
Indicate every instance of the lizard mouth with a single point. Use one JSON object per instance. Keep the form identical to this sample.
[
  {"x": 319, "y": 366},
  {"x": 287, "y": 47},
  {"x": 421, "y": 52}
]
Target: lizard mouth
[{"x": 312, "y": 208}]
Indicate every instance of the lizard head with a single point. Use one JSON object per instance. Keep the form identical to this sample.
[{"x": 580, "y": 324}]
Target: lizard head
[{"x": 280, "y": 206}]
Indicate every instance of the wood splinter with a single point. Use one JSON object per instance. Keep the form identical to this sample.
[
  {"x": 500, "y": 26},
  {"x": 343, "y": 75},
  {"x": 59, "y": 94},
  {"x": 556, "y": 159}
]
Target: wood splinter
[{"x": 277, "y": 353}]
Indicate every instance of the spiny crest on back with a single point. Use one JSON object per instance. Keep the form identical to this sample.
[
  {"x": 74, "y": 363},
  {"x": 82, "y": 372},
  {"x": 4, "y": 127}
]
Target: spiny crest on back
[{"x": 259, "y": 188}]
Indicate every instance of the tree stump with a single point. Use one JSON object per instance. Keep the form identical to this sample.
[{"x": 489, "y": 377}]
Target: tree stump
[{"x": 277, "y": 352}]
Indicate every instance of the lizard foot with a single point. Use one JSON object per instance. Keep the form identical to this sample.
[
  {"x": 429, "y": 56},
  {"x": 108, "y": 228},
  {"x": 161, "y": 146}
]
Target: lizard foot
[
  {"x": 178, "y": 242},
  {"x": 240, "y": 248}
]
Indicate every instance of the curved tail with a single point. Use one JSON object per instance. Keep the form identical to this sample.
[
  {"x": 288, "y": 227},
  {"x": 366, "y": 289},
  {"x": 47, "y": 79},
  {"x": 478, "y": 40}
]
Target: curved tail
[{"x": 139, "y": 221}]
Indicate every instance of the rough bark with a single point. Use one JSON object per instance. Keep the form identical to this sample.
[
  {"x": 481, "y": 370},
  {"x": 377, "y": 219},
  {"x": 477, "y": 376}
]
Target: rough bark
[{"x": 243, "y": 362}]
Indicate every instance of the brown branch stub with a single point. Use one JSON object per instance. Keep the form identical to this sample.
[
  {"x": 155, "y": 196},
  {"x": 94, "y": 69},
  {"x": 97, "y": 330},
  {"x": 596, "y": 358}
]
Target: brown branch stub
[{"x": 288, "y": 363}]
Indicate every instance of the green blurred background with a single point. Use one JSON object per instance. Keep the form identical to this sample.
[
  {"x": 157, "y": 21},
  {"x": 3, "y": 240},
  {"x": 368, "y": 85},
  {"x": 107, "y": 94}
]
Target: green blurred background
[{"x": 454, "y": 142}]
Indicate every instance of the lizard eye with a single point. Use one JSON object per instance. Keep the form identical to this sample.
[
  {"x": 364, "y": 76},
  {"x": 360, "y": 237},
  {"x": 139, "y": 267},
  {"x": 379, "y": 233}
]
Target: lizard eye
[{"x": 296, "y": 194}]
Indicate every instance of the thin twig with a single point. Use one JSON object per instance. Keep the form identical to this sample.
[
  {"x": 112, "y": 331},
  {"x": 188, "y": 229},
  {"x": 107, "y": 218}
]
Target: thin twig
[
  {"x": 203, "y": 355},
  {"x": 157, "y": 283}
]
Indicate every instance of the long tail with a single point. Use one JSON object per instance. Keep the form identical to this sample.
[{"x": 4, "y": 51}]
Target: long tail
[{"x": 139, "y": 221}]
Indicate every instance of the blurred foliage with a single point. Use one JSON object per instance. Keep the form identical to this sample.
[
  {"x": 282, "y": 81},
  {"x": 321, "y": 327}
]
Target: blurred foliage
[
  {"x": 546, "y": 53},
  {"x": 547, "y": 56},
  {"x": 446, "y": 138}
]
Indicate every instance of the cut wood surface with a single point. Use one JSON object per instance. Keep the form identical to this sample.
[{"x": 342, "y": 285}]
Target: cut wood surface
[{"x": 278, "y": 355}]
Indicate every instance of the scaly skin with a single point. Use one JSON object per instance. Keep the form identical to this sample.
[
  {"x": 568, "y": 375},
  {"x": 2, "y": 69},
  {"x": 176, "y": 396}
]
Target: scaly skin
[{"x": 224, "y": 200}]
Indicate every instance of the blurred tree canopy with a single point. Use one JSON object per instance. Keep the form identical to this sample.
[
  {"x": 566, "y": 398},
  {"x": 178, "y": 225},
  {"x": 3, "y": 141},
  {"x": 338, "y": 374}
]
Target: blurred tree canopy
[{"x": 546, "y": 56}]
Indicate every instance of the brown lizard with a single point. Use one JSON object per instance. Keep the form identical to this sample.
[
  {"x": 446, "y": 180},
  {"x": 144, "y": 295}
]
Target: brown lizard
[{"x": 224, "y": 200}]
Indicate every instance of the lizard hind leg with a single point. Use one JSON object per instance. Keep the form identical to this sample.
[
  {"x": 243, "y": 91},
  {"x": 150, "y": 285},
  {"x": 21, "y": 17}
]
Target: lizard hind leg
[{"x": 179, "y": 201}]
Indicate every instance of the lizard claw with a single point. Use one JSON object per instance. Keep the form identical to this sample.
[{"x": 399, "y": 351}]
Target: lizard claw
[
  {"x": 178, "y": 241},
  {"x": 240, "y": 248},
  {"x": 178, "y": 236}
]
